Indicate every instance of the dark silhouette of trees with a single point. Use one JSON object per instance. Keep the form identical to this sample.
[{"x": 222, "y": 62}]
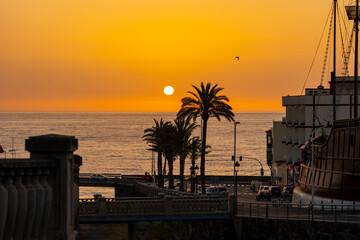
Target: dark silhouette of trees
[
  {"x": 154, "y": 136},
  {"x": 183, "y": 131},
  {"x": 205, "y": 102}
]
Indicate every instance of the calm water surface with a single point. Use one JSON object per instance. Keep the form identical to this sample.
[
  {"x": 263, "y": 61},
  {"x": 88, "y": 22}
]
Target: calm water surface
[{"x": 112, "y": 142}]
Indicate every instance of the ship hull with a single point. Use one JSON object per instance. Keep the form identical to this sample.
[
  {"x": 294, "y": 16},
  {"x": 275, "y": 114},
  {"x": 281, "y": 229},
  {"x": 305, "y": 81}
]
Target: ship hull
[
  {"x": 336, "y": 163},
  {"x": 306, "y": 198}
]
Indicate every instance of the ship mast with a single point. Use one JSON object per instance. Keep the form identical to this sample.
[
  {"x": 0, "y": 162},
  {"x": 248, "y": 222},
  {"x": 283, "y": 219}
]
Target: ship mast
[
  {"x": 334, "y": 64},
  {"x": 355, "y": 16},
  {"x": 356, "y": 60}
]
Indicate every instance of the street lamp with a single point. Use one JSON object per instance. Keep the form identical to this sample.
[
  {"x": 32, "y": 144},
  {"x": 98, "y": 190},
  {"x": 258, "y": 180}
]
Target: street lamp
[
  {"x": 196, "y": 173},
  {"x": 261, "y": 170},
  {"x": 237, "y": 166},
  {"x": 234, "y": 157}
]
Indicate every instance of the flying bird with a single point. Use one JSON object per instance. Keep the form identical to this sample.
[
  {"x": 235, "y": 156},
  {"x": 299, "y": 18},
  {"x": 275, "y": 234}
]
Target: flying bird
[{"x": 237, "y": 57}]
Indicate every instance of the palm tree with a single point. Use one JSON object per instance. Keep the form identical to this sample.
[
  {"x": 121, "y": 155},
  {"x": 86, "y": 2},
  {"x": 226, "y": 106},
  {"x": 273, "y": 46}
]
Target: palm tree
[
  {"x": 169, "y": 149},
  {"x": 205, "y": 102},
  {"x": 155, "y": 138},
  {"x": 183, "y": 131},
  {"x": 194, "y": 148}
]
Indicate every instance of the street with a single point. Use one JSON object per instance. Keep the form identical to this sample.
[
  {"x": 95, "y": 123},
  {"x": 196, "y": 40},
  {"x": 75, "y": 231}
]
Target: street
[{"x": 244, "y": 192}]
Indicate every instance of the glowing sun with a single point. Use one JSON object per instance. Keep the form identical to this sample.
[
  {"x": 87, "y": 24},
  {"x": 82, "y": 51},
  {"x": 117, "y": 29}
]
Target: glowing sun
[{"x": 168, "y": 90}]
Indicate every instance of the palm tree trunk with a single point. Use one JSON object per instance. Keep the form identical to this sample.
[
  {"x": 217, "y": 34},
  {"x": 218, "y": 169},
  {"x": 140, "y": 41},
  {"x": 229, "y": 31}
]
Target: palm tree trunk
[
  {"x": 160, "y": 173},
  {"x": 182, "y": 166},
  {"x": 164, "y": 171},
  {"x": 202, "y": 163},
  {"x": 171, "y": 176}
]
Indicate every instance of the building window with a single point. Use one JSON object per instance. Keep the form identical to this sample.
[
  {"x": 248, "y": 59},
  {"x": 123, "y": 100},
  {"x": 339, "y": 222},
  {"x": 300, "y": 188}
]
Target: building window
[{"x": 269, "y": 141}]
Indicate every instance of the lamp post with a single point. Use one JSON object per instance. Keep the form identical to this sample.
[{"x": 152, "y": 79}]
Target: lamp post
[
  {"x": 192, "y": 174},
  {"x": 234, "y": 157},
  {"x": 262, "y": 169},
  {"x": 196, "y": 173},
  {"x": 237, "y": 165}
]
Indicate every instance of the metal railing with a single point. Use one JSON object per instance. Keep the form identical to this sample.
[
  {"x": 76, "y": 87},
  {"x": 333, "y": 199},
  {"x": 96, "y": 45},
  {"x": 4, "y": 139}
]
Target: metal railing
[{"x": 300, "y": 211}]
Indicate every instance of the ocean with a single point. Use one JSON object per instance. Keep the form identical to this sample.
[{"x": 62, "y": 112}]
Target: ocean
[{"x": 112, "y": 142}]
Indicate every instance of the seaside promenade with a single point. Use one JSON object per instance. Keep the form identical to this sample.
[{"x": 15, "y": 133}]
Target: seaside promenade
[
  {"x": 148, "y": 201},
  {"x": 39, "y": 199},
  {"x": 174, "y": 207}
]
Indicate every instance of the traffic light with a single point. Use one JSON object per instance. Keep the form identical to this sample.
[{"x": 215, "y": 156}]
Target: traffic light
[
  {"x": 240, "y": 158},
  {"x": 262, "y": 172}
]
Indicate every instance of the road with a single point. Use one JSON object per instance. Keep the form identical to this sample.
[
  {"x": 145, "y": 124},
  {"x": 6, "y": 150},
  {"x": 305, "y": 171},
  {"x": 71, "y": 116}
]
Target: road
[{"x": 243, "y": 190}]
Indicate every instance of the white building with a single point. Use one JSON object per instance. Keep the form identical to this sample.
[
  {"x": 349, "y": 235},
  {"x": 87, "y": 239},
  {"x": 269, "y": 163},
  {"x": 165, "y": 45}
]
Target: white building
[
  {"x": 276, "y": 150},
  {"x": 297, "y": 126}
]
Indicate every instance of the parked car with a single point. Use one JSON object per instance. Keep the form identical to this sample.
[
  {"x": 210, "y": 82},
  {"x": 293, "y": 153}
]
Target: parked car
[
  {"x": 98, "y": 177},
  {"x": 275, "y": 191},
  {"x": 255, "y": 185},
  {"x": 215, "y": 190},
  {"x": 263, "y": 193},
  {"x": 199, "y": 188},
  {"x": 145, "y": 177},
  {"x": 287, "y": 192},
  {"x": 263, "y": 187}
]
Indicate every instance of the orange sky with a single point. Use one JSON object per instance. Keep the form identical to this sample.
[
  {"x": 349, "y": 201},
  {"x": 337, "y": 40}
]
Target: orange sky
[{"x": 91, "y": 55}]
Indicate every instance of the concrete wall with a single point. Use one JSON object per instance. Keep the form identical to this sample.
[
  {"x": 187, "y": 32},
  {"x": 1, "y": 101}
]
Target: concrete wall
[
  {"x": 239, "y": 228},
  {"x": 247, "y": 228},
  {"x": 253, "y": 229}
]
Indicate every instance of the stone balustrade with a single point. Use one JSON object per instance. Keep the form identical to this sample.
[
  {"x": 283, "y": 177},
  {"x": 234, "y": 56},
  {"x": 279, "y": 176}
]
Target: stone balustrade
[
  {"x": 161, "y": 206},
  {"x": 38, "y": 196},
  {"x": 25, "y": 197}
]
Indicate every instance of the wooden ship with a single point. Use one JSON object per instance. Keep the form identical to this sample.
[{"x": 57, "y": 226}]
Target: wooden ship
[
  {"x": 336, "y": 163},
  {"x": 330, "y": 166}
]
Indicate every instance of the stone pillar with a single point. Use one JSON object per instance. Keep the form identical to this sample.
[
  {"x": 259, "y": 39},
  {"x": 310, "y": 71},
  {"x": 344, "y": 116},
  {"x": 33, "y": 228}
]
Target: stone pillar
[
  {"x": 31, "y": 204},
  {"x": 40, "y": 200},
  {"x": 169, "y": 205},
  {"x": 22, "y": 205},
  {"x": 118, "y": 192},
  {"x": 61, "y": 148},
  {"x": 48, "y": 193},
  {"x": 225, "y": 201},
  {"x": 101, "y": 206},
  {"x": 231, "y": 205},
  {"x": 77, "y": 164},
  {"x": 12, "y": 205},
  {"x": 3, "y": 205}
]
